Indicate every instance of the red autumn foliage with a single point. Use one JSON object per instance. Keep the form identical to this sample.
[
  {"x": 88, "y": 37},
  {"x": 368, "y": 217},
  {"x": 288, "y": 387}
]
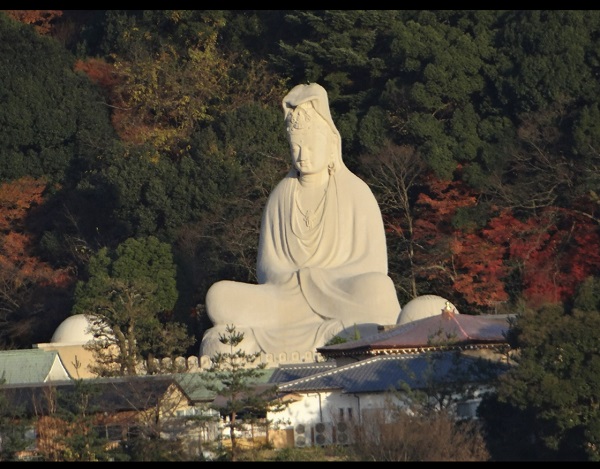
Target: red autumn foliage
[
  {"x": 445, "y": 197},
  {"x": 433, "y": 231},
  {"x": 553, "y": 251},
  {"x": 99, "y": 71},
  {"x": 545, "y": 256},
  {"x": 42, "y": 20},
  {"x": 562, "y": 259},
  {"x": 21, "y": 272},
  {"x": 480, "y": 269},
  {"x": 16, "y": 199},
  {"x": 466, "y": 261}
]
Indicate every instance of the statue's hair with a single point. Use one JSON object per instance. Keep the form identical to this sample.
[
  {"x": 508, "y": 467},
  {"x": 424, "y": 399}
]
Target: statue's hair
[{"x": 304, "y": 118}]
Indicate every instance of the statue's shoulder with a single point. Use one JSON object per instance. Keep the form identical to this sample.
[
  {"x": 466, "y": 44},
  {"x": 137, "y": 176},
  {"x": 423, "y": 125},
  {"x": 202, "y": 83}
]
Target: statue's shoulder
[
  {"x": 281, "y": 191},
  {"x": 284, "y": 185},
  {"x": 357, "y": 186}
]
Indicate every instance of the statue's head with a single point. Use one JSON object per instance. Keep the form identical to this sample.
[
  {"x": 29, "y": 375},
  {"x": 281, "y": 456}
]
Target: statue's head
[{"x": 306, "y": 109}]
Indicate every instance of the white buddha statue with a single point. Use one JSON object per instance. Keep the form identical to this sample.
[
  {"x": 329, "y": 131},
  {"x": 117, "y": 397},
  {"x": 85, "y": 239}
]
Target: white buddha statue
[{"x": 322, "y": 255}]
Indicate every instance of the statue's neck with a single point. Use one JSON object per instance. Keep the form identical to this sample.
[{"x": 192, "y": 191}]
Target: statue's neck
[{"x": 313, "y": 181}]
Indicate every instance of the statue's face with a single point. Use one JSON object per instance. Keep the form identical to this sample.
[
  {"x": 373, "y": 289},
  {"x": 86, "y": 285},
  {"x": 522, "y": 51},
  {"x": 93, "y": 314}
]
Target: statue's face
[{"x": 310, "y": 150}]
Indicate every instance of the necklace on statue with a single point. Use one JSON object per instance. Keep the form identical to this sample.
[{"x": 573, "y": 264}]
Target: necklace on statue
[
  {"x": 309, "y": 216},
  {"x": 309, "y": 219}
]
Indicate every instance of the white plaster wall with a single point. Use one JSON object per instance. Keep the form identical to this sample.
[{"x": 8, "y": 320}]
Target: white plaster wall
[
  {"x": 335, "y": 402},
  {"x": 57, "y": 371},
  {"x": 306, "y": 411},
  {"x": 324, "y": 407}
]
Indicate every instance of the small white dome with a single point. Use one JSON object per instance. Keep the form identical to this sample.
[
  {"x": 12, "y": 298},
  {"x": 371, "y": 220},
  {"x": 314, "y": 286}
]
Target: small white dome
[
  {"x": 73, "y": 331},
  {"x": 423, "y": 306}
]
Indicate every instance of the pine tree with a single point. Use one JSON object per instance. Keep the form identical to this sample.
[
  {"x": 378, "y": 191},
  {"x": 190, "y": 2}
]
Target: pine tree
[
  {"x": 129, "y": 298},
  {"x": 234, "y": 376}
]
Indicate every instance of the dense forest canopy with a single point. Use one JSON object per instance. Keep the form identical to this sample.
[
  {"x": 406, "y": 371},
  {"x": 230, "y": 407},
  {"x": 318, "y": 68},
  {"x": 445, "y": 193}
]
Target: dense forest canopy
[{"x": 478, "y": 131}]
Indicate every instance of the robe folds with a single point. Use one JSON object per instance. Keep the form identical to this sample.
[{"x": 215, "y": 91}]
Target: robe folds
[
  {"x": 313, "y": 282},
  {"x": 320, "y": 273}
]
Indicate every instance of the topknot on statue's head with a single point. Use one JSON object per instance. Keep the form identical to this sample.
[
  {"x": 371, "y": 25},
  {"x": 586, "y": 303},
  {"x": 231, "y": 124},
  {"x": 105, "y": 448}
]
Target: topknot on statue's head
[
  {"x": 300, "y": 119},
  {"x": 306, "y": 101}
]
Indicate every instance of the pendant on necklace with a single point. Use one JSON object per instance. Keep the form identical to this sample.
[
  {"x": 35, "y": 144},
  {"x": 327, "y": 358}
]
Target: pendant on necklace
[{"x": 308, "y": 219}]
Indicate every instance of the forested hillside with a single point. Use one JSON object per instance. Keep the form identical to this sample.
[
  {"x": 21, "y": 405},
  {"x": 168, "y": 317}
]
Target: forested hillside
[{"x": 478, "y": 131}]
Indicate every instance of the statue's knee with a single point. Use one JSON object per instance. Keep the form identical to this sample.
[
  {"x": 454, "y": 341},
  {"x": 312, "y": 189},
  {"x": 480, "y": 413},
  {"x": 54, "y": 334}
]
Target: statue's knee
[
  {"x": 215, "y": 296},
  {"x": 370, "y": 286},
  {"x": 210, "y": 296}
]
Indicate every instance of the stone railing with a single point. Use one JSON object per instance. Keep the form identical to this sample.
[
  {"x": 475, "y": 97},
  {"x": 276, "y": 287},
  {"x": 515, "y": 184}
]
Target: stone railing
[{"x": 194, "y": 363}]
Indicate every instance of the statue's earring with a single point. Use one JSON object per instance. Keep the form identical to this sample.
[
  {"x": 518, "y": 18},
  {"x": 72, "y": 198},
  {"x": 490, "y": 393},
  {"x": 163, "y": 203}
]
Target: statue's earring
[{"x": 331, "y": 168}]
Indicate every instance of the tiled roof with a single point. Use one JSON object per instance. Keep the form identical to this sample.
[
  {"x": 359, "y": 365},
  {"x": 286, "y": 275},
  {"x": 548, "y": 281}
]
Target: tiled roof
[
  {"x": 443, "y": 329},
  {"x": 194, "y": 384},
  {"x": 131, "y": 393},
  {"x": 31, "y": 366},
  {"x": 106, "y": 394},
  {"x": 382, "y": 373},
  {"x": 287, "y": 373}
]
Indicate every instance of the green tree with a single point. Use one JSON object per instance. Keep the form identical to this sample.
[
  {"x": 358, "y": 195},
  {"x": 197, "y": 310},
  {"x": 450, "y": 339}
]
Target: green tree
[
  {"x": 234, "y": 375},
  {"x": 130, "y": 295},
  {"x": 80, "y": 441},
  {"x": 341, "y": 49},
  {"x": 439, "y": 83},
  {"x": 548, "y": 60},
  {"x": 541, "y": 130},
  {"x": 238, "y": 161},
  {"x": 549, "y": 398},
  {"x": 54, "y": 120}
]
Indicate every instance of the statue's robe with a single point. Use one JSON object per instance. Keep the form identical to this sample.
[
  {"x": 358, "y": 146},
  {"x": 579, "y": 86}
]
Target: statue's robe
[{"x": 313, "y": 283}]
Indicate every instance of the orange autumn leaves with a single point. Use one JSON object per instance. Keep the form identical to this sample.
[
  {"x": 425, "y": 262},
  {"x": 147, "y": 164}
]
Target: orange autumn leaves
[
  {"x": 21, "y": 270},
  {"x": 544, "y": 256},
  {"x": 42, "y": 20}
]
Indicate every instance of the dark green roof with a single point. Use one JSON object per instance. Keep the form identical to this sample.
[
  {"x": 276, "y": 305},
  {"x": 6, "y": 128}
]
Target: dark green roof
[
  {"x": 194, "y": 384},
  {"x": 105, "y": 394}
]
